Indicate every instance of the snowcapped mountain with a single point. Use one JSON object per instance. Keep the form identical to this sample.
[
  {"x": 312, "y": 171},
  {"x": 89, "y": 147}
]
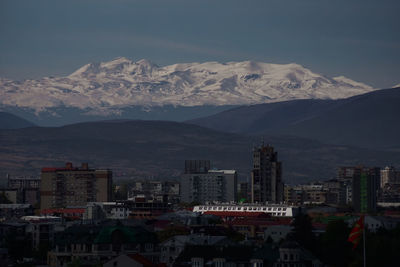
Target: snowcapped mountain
[
  {"x": 103, "y": 88},
  {"x": 396, "y": 86}
]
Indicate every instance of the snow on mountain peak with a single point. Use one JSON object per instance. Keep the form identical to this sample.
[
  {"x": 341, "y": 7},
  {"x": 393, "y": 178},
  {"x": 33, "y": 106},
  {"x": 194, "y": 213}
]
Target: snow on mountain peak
[
  {"x": 122, "y": 82},
  {"x": 397, "y": 85}
]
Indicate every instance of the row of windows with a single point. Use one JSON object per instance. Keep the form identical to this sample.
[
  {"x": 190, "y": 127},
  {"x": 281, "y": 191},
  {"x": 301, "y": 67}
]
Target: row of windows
[{"x": 241, "y": 208}]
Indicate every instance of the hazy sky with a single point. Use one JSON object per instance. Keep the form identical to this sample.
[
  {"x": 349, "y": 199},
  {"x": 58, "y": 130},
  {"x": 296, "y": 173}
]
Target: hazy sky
[{"x": 357, "y": 39}]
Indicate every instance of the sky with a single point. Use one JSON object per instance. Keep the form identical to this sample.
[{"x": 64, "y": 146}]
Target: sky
[{"x": 359, "y": 39}]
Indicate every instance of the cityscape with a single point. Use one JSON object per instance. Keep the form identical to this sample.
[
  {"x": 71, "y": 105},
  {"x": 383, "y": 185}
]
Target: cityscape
[
  {"x": 178, "y": 133},
  {"x": 78, "y": 215}
]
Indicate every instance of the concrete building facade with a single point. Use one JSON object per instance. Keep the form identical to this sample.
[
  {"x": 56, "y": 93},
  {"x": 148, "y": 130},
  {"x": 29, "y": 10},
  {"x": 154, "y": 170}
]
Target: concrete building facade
[
  {"x": 365, "y": 186},
  {"x": 202, "y": 185},
  {"x": 266, "y": 176},
  {"x": 71, "y": 186}
]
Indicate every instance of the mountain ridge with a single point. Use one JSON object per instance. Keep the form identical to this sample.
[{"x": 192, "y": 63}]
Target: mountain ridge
[
  {"x": 368, "y": 120},
  {"x": 107, "y": 87}
]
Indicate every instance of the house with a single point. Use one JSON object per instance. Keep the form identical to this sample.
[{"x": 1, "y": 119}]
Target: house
[
  {"x": 129, "y": 260},
  {"x": 171, "y": 248},
  {"x": 291, "y": 254},
  {"x": 277, "y": 232},
  {"x": 373, "y": 223},
  {"x": 91, "y": 244}
]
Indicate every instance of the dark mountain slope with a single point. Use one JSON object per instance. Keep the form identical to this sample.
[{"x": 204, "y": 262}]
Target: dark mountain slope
[
  {"x": 369, "y": 120},
  {"x": 10, "y": 121},
  {"x": 159, "y": 148}
]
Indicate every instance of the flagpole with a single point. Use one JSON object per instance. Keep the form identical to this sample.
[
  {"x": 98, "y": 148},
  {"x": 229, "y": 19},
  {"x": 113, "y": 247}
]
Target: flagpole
[{"x": 365, "y": 262}]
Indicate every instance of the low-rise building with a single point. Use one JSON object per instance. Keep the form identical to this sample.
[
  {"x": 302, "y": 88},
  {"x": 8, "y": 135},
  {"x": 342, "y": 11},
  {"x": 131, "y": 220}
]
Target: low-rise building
[
  {"x": 129, "y": 260},
  {"x": 277, "y": 232},
  {"x": 160, "y": 191},
  {"x": 8, "y": 211},
  {"x": 172, "y": 247},
  {"x": 274, "y": 210},
  {"x": 98, "y": 244}
]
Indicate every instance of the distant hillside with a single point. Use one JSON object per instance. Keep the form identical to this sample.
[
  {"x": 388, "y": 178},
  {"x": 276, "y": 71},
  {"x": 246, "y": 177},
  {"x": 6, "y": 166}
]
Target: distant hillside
[
  {"x": 10, "y": 121},
  {"x": 369, "y": 120},
  {"x": 159, "y": 148}
]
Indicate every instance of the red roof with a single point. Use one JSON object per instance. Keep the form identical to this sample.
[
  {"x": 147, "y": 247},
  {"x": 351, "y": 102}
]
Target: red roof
[
  {"x": 256, "y": 221},
  {"x": 64, "y": 211},
  {"x": 53, "y": 169}
]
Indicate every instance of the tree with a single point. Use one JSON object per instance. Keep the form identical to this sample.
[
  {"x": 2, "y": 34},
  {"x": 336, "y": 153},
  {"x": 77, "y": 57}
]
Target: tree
[
  {"x": 121, "y": 193},
  {"x": 334, "y": 242},
  {"x": 4, "y": 199},
  {"x": 303, "y": 232}
]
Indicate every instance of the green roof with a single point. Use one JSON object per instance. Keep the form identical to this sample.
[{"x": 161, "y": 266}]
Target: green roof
[
  {"x": 84, "y": 234},
  {"x": 129, "y": 234},
  {"x": 105, "y": 236}
]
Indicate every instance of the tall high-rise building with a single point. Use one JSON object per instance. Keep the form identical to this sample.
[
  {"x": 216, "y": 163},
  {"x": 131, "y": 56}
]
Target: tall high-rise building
[
  {"x": 201, "y": 185},
  {"x": 71, "y": 186},
  {"x": 390, "y": 176},
  {"x": 196, "y": 166},
  {"x": 266, "y": 176},
  {"x": 365, "y": 186}
]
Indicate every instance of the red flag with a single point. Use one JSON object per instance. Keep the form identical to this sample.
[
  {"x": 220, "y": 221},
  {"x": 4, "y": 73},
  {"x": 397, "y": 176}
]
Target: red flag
[{"x": 356, "y": 232}]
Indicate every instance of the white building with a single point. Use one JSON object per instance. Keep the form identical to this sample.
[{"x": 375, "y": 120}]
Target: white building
[
  {"x": 373, "y": 223},
  {"x": 274, "y": 210}
]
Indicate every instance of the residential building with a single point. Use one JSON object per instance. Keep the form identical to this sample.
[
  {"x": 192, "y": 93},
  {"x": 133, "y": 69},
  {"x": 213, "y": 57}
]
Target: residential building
[
  {"x": 336, "y": 192},
  {"x": 243, "y": 192},
  {"x": 130, "y": 260},
  {"x": 71, "y": 186},
  {"x": 23, "y": 182},
  {"x": 292, "y": 254},
  {"x": 289, "y": 253},
  {"x": 27, "y": 188},
  {"x": 94, "y": 244},
  {"x": 277, "y": 232},
  {"x": 172, "y": 247},
  {"x": 8, "y": 211},
  {"x": 390, "y": 176},
  {"x": 161, "y": 191},
  {"x": 345, "y": 175},
  {"x": 266, "y": 176},
  {"x": 202, "y": 185},
  {"x": 365, "y": 185},
  {"x": 197, "y": 166},
  {"x": 294, "y": 195}
]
